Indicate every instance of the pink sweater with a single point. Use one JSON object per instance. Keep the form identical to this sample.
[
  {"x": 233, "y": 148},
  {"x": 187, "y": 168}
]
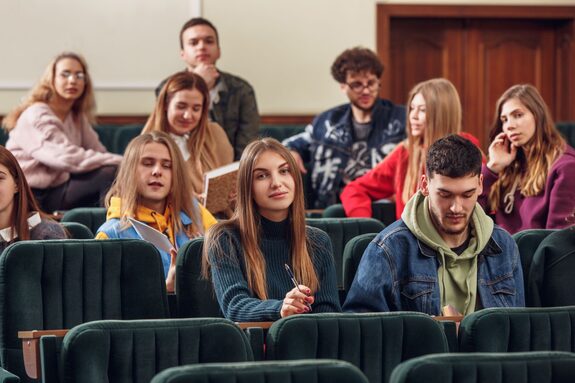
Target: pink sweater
[{"x": 48, "y": 150}]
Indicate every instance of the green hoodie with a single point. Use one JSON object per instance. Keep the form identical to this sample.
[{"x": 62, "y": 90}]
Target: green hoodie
[{"x": 457, "y": 274}]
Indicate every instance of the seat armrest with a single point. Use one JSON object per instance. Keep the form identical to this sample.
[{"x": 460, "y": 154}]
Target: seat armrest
[{"x": 31, "y": 349}]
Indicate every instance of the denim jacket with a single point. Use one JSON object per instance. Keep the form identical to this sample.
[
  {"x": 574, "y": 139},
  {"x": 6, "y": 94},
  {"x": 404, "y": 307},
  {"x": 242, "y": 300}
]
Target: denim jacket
[{"x": 399, "y": 273}]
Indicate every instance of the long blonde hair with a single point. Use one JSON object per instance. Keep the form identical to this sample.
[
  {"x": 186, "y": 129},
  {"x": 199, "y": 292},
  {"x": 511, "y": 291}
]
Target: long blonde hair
[
  {"x": 125, "y": 185},
  {"x": 158, "y": 120},
  {"x": 44, "y": 91},
  {"x": 246, "y": 220},
  {"x": 442, "y": 117},
  {"x": 545, "y": 146}
]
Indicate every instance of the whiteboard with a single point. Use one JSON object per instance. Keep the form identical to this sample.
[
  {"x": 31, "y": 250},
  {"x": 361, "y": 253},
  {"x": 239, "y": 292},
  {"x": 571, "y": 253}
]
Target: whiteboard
[{"x": 128, "y": 44}]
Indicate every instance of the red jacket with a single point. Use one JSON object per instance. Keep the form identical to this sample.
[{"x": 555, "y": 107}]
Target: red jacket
[{"x": 383, "y": 181}]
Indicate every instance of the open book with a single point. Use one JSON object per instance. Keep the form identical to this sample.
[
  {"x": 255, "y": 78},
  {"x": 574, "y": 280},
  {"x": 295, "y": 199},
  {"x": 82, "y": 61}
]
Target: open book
[
  {"x": 218, "y": 184},
  {"x": 148, "y": 233}
]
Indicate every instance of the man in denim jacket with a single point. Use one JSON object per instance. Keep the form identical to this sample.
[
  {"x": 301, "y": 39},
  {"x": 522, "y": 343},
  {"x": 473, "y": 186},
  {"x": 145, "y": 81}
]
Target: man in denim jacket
[
  {"x": 444, "y": 252},
  {"x": 345, "y": 142}
]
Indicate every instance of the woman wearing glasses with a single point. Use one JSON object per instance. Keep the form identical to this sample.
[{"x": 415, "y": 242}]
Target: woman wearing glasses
[{"x": 52, "y": 138}]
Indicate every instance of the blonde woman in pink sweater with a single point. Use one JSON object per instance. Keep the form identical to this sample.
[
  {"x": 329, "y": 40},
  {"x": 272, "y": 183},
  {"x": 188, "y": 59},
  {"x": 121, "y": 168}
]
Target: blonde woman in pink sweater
[{"x": 52, "y": 138}]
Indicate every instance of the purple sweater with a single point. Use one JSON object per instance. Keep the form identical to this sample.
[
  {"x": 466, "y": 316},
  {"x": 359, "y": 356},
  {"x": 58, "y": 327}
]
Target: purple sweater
[{"x": 547, "y": 210}]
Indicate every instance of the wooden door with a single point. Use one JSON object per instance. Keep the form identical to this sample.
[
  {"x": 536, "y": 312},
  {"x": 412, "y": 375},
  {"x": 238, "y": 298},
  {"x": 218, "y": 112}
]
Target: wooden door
[{"x": 482, "y": 55}]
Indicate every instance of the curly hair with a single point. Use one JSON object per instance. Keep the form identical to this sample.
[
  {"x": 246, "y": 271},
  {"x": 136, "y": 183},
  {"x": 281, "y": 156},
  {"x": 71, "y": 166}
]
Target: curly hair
[{"x": 356, "y": 60}]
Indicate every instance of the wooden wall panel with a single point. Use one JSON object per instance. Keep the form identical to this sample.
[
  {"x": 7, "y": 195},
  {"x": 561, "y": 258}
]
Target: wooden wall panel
[{"x": 422, "y": 49}]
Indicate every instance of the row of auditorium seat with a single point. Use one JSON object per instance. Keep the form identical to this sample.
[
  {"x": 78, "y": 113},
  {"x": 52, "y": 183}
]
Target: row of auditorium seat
[
  {"x": 135, "y": 350},
  {"x": 65, "y": 283},
  {"x": 547, "y": 277}
]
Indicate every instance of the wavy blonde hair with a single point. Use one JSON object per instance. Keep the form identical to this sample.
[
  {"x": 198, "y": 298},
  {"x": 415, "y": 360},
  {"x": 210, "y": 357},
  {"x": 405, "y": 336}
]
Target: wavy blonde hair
[
  {"x": 532, "y": 166},
  {"x": 158, "y": 120},
  {"x": 44, "y": 91},
  {"x": 125, "y": 185},
  {"x": 246, "y": 220},
  {"x": 442, "y": 117}
]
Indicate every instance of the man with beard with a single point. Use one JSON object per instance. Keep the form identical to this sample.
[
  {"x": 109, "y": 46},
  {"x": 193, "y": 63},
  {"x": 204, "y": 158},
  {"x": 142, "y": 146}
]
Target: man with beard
[
  {"x": 444, "y": 255},
  {"x": 345, "y": 142}
]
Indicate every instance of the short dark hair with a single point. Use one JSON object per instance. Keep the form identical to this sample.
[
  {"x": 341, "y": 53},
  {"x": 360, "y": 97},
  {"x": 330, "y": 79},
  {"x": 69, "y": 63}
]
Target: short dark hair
[
  {"x": 453, "y": 156},
  {"x": 192, "y": 23},
  {"x": 356, "y": 60}
]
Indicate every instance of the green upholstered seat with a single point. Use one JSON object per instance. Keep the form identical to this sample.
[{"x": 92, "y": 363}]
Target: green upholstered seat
[
  {"x": 530, "y": 367},
  {"x": 374, "y": 342},
  {"x": 7, "y": 377},
  {"x": 552, "y": 272},
  {"x": 91, "y": 217},
  {"x": 57, "y": 284},
  {"x": 123, "y": 136},
  {"x": 527, "y": 242},
  {"x": 567, "y": 129},
  {"x": 300, "y": 371},
  {"x": 341, "y": 230},
  {"x": 195, "y": 296},
  {"x": 352, "y": 253},
  {"x": 135, "y": 351},
  {"x": 382, "y": 210},
  {"x": 518, "y": 329},
  {"x": 77, "y": 230}
]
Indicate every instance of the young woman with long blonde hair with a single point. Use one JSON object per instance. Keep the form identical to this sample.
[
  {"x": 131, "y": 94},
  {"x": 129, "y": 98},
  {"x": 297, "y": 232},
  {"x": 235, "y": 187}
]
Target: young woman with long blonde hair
[
  {"x": 528, "y": 180},
  {"x": 434, "y": 111},
  {"x": 152, "y": 188},
  {"x": 246, "y": 256},
  {"x": 52, "y": 138}
]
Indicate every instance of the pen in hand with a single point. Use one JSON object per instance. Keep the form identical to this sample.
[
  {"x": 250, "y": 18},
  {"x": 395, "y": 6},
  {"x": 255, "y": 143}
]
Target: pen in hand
[{"x": 296, "y": 284}]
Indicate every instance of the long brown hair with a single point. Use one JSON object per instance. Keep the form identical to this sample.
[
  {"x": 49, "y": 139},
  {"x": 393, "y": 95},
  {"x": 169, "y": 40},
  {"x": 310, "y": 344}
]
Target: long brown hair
[
  {"x": 125, "y": 185},
  {"x": 158, "y": 120},
  {"x": 246, "y": 220},
  {"x": 24, "y": 201},
  {"x": 442, "y": 117},
  {"x": 44, "y": 91},
  {"x": 532, "y": 166}
]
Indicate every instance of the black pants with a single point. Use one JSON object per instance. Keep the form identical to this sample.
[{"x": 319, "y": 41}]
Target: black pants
[{"x": 82, "y": 190}]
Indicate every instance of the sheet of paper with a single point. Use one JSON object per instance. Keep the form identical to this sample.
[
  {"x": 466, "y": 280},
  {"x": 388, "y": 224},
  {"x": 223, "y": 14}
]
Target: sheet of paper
[{"x": 148, "y": 233}]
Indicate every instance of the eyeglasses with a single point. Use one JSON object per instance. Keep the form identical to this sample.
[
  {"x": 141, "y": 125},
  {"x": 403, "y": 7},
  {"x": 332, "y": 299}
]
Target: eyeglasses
[
  {"x": 358, "y": 86},
  {"x": 67, "y": 75}
]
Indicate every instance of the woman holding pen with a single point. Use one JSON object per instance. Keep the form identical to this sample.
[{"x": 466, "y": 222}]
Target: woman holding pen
[{"x": 246, "y": 257}]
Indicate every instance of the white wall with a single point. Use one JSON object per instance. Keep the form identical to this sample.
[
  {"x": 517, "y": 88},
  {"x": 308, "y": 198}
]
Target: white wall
[{"x": 284, "y": 48}]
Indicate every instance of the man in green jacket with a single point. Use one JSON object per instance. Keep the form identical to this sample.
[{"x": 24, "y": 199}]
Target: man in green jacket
[{"x": 232, "y": 99}]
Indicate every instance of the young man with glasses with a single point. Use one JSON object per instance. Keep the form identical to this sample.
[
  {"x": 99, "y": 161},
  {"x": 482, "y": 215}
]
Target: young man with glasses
[
  {"x": 345, "y": 142},
  {"x": 232, "y": 99}
]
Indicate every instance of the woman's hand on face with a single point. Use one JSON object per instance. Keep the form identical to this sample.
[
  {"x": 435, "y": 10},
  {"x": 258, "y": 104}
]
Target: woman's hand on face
[
  {"x": 296, "y": 301},
  {"x": 171, "y": 278},
  {"x": 501, "y": 153}
]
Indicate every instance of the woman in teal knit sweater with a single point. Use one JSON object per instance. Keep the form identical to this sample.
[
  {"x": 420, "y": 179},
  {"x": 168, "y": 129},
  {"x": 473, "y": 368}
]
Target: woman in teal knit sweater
[{"x": 246, "y": 256}]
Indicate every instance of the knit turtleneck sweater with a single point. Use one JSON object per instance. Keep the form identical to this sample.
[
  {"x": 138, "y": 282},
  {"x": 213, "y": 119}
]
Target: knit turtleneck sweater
[{"x": 228, "y": 273}]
